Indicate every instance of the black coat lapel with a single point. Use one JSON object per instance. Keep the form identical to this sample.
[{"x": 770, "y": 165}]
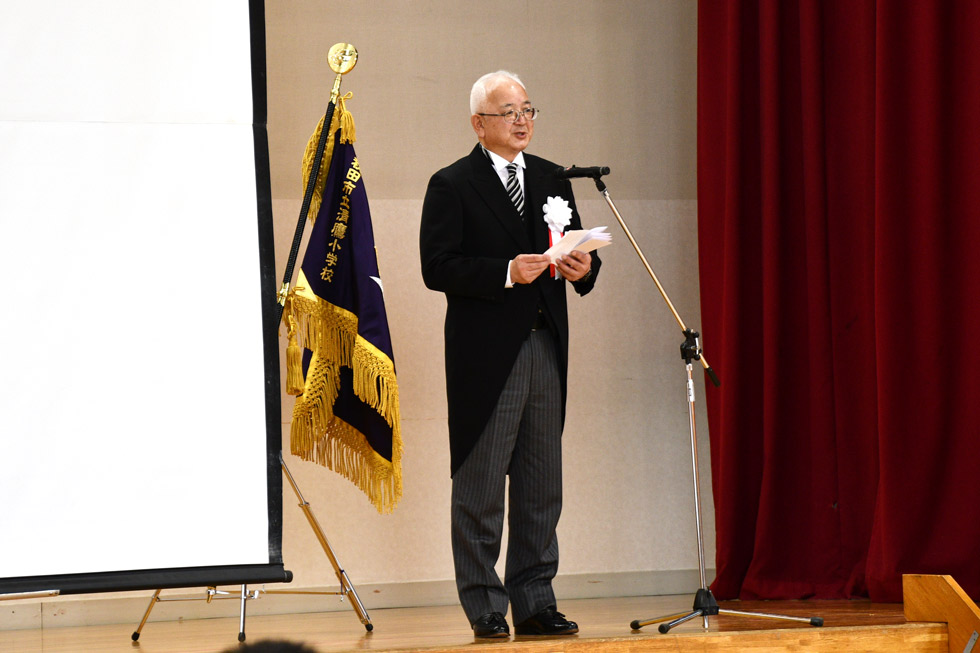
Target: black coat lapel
[
  {"x": 534, "y": 186},
  {"x": 487, "y": 185}
]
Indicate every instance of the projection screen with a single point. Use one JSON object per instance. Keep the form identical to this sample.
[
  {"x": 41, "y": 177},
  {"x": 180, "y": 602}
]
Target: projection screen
[{"x": 139, "y": 365}]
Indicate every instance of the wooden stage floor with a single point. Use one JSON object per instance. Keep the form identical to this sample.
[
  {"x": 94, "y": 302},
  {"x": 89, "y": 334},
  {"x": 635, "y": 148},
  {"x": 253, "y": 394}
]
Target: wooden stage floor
[{"x": 604, "y": 626}]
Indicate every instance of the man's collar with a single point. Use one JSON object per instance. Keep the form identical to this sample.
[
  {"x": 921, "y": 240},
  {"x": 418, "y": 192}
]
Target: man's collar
[{"x": 500, "y": 162}]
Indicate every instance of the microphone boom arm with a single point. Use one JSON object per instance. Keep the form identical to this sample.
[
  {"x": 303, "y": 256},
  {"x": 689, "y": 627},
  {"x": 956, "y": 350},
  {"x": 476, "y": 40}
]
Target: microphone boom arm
[{"x": 601, "y": 187}]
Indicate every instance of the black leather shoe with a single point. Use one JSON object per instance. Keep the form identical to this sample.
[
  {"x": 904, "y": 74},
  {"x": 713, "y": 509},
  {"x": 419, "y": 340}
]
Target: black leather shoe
[
  {"x": 547, "y": 622},
  {"x": 491, "y": 625}
]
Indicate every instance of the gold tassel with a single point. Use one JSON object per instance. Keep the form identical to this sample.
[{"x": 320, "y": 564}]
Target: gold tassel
[
  {"x": 348, "y": 134},
  {"x": 294, "y": 360}
]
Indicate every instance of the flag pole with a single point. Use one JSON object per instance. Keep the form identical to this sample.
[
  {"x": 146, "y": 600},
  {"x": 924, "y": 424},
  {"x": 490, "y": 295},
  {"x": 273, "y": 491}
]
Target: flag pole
[{"x": 342, "y": 58}]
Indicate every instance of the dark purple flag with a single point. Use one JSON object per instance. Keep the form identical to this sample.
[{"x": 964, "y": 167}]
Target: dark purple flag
[{"x": 349, "y": 408}]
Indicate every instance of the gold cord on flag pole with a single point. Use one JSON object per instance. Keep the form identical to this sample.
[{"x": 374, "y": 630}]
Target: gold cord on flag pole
[{"x": 342, "y": 58}]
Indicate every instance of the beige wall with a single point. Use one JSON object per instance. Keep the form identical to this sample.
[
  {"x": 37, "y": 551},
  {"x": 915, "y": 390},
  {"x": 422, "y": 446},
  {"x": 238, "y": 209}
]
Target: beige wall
[{"x": 616, "y": 83}]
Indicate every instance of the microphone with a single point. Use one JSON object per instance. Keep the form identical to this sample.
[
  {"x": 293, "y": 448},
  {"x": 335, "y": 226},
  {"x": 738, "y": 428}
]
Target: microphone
[{"x": 571, "y": 173}]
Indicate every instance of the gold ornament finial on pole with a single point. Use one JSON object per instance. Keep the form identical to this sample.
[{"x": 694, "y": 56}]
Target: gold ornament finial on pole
[{"x": 342, "y": 58}]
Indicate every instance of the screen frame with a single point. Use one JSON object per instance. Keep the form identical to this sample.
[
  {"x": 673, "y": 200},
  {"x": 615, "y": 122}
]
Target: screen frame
[{"x": 273, "y": 571}]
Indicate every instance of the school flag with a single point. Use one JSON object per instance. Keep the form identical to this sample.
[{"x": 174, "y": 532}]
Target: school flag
[{"x": 339, "y": 359}]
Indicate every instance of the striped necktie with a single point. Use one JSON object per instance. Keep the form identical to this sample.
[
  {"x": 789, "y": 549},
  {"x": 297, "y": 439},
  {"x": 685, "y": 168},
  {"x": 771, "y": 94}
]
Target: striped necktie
[{"x": 513, "y": 188}]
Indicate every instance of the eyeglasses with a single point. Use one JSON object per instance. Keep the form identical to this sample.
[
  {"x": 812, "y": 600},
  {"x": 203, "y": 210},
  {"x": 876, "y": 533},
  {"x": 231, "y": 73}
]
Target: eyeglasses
[{"x": 513, "y": 116}]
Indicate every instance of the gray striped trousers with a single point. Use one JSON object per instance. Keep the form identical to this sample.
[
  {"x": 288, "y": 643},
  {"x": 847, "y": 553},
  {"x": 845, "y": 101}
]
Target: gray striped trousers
[{"x": 522, "y": 439}]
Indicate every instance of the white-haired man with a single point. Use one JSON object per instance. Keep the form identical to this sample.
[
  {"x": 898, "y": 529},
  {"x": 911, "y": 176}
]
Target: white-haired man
[{"x": 483, "y": 230}]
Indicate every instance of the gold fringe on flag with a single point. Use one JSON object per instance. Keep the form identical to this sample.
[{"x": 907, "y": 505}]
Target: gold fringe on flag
[{"x": 318, "y": 435}]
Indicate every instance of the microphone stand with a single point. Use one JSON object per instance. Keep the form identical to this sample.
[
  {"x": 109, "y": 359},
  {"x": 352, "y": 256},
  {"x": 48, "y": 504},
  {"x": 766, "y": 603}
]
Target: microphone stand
[{"x": 705, "y": 604}]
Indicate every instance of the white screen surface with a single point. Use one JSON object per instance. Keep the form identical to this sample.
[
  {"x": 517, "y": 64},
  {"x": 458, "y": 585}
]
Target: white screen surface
[{"x": 131, "y": 354}]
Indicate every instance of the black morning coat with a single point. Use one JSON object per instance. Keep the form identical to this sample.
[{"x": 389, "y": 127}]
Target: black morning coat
[{"x": 469, "y": 232}]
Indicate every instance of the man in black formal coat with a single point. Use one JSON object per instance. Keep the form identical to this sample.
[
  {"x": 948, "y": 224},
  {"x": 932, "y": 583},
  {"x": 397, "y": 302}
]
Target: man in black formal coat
[{"x": 484, "y": 226}]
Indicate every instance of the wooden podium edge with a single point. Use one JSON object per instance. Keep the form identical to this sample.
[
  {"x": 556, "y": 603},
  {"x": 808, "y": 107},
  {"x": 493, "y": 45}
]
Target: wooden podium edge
[{"x": 938, "y": 598}]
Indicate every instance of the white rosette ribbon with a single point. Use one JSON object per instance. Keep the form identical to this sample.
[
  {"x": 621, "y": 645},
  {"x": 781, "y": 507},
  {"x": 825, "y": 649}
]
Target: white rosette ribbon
[{"x": 557, "y": 215}]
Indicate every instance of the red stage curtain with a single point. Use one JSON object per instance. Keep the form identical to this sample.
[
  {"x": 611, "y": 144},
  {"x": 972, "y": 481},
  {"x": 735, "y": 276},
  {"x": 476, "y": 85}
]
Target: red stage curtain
[{"x": 839, "y": 218}]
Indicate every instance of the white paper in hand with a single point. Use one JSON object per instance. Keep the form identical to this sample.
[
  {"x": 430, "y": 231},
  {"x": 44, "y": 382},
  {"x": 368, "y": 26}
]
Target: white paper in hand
[{"x": 583, "y": 240}]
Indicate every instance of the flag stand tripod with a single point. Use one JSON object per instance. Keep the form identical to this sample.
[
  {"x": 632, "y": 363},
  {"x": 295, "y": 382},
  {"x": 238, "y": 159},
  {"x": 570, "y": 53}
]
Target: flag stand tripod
[
  {"x": 212, "y": 593},
  {"x": 705, "y": 604},
  {"x": 346, "y": 587}
]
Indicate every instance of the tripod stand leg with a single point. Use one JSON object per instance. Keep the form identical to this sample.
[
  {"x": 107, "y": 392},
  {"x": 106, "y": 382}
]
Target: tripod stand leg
[
  {"x": 665, "y": 628},
  {"x": 241, "y": 618},
  {"x": 146, "y": 615},
  {"x": 704, "y": 606},
  {"x": 813, "y": 621},
  {"x": 346, "y": 587},
  {"x": 636, "y": 624}
]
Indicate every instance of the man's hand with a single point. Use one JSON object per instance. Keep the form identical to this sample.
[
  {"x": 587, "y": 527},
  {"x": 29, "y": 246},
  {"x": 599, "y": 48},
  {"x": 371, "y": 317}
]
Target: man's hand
[
  {"x": 525, "y": 268},
  {"x": 575, "y": 265}
]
